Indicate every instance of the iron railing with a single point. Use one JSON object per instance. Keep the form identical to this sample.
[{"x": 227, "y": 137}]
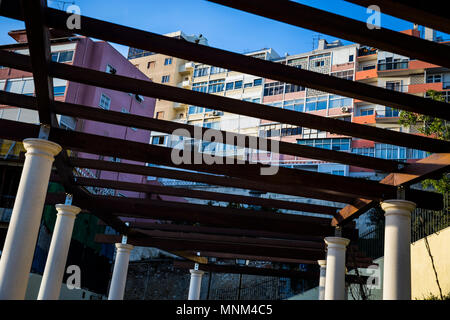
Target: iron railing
[{"x": 423, "y": 223}]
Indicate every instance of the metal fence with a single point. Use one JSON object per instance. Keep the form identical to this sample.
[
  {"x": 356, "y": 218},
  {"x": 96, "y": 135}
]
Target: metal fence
[{"x": 423, "y": 223}]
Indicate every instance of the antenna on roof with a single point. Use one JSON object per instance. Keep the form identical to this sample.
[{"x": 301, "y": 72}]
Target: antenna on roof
[{"x": 315, "y": 39}]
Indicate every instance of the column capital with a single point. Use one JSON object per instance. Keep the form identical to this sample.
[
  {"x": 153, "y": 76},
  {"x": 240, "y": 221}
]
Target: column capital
[
  {"x": 41, "y": 147},
  {"x": 197, "y": 272},
  {"x": 337, "y": 242},
  {"x": 67, "y": 210},
  {"x": 322, "y": 263},
  {"x": 398, "y": 207},
  {"x": 124, "y": 247}
]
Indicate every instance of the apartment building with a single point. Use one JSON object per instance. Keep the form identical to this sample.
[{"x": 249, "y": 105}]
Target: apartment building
[{"x": 93, "y": 258}]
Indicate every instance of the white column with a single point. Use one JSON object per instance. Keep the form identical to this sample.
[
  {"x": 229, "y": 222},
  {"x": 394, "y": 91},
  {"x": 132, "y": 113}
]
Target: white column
[
  {"x": 335, "y": 275},
  {"x": 119, "y": 277},
  {"x": 397, "y": 249},
  {"x": 20, "y": 242},
  {"x": 195, "y": 284},
  {"x": 323, "y": 270},
  {"x": 57, "y": 255}
]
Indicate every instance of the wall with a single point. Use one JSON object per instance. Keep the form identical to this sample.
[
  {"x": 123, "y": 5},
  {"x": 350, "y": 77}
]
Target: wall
[{"x": 423, "y": 278}]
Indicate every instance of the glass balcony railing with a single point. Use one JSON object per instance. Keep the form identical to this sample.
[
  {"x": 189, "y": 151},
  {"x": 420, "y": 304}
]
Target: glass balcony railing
[{"x": 383, "y": 66}]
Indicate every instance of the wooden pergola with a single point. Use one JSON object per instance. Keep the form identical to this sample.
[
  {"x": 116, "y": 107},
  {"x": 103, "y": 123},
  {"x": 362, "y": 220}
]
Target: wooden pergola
[{"x": 213, "y": 230}]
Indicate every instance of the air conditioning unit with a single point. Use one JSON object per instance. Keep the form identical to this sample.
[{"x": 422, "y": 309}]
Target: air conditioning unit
[{"x": 344, "y": 109}]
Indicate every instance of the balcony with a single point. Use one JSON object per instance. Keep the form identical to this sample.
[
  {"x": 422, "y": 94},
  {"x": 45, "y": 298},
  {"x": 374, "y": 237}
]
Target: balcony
[
  {"x": 366, "y": 53},
  {"x": 364, "y": 119},
  {"x": 366, "y": 74},
  {"x": 388, "y": 66},
  {"x": 186, "y": 84},
  {"x": 186, "y": 68},
  {"x": 179, "y": 106},
  {"x": 424, "y": 87}
]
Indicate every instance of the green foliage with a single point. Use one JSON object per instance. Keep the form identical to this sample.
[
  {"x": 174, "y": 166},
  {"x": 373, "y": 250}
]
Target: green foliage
[
  {"x": 431, "y": 126},
  {"x": 436, "y": 297}
]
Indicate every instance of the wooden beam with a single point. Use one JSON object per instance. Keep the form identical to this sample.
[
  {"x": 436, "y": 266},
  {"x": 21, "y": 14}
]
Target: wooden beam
[
  {"x": 174, "y": 244},
  {"x": 207, "y": 195},
  {"x": 422, "y": 13},
  {"x": 240, "y": 140},
  {"x": 436, "y": 164},
  {"x": 211, "y": 215},
  {"x": 272, "y": 243},
  {"x": 204, "y": 178},
  {"x": 315, "y": 181},
  {"x": 40, "y": 56},
  {"x": 345, "y": 28},
  {"x": 220, "y": 231},
  {"x": 147, "y": 88}
]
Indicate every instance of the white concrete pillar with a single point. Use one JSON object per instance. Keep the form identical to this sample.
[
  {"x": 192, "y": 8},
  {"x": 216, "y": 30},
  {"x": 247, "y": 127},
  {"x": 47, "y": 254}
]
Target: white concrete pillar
[
  {"x": 119, "y": 277},
  {"x": 20, "y": 242},
  {"x": 397, "y": 249},
  {"x": 57, "y": 255},
  {"x": 335, "y": 275},
  {"x": 195, "y": 284},
  {"x": 323, "y": 271}
]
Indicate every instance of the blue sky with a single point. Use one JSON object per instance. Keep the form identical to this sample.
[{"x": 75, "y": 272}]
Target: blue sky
[{"x": 224, "y": 27}]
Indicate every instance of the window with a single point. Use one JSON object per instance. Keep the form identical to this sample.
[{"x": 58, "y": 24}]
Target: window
[
  {"x": 248, "y": 85},
  {"x": 62, "y": 56},
  {"x": 256, "y": 100},
  {"x": 165, "y": 79},
  {"x": 110, "y": 69},
  {"x": 338, "y": 172},
  {"x": 195, "y": 110},
  {"x": 20, "y": 86},
  {"x": 366, "y": 112},
  {"x": 139, "y": 98},
  {"x": 338, "y": 101},
  {"x": 293, "y": 88},
  {"x": 316, "y": 103},
  {"x": 215, "y": 70},
  {"x": 200, "y": 86},
  {"x": 238, "y": 84},
  {"x": 348, "y": 74},
  {"x": 387, "y": 151},
  {"x": 229, "y": 86},
  {"x": 167, "y": 61},
  {"x": 273, "y": 88},
  {"x": 200, "y": 72},
  {"x": 295, "y": 105},
  {"x": 105, "y": 102},
  {"x": 393, "y": 85},
  {"x": 158, "y": 139},
  {"x": 216, "y": 85},
  {"x": 368, "y": 67},
  {"x": 291, "y": 131},
  {"x": 160, "y": 115},
  {"x": 432, "y": 78},
  {"x": 331, "y": 144},
  {"x": 369, "y": 152},
  {"x": 390, "y": 112},
  {"x": 350, "y": 58},
  {"x": 319, "y": 63},
  {"x": 257, "y": 82},
  {"x": 59, "y": 91}
]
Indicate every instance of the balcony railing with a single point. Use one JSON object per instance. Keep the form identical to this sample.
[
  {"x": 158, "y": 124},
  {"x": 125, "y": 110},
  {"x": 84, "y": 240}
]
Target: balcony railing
[
  {"x": 365, "y": 51},
  {"x": 393, "y": 65}
]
